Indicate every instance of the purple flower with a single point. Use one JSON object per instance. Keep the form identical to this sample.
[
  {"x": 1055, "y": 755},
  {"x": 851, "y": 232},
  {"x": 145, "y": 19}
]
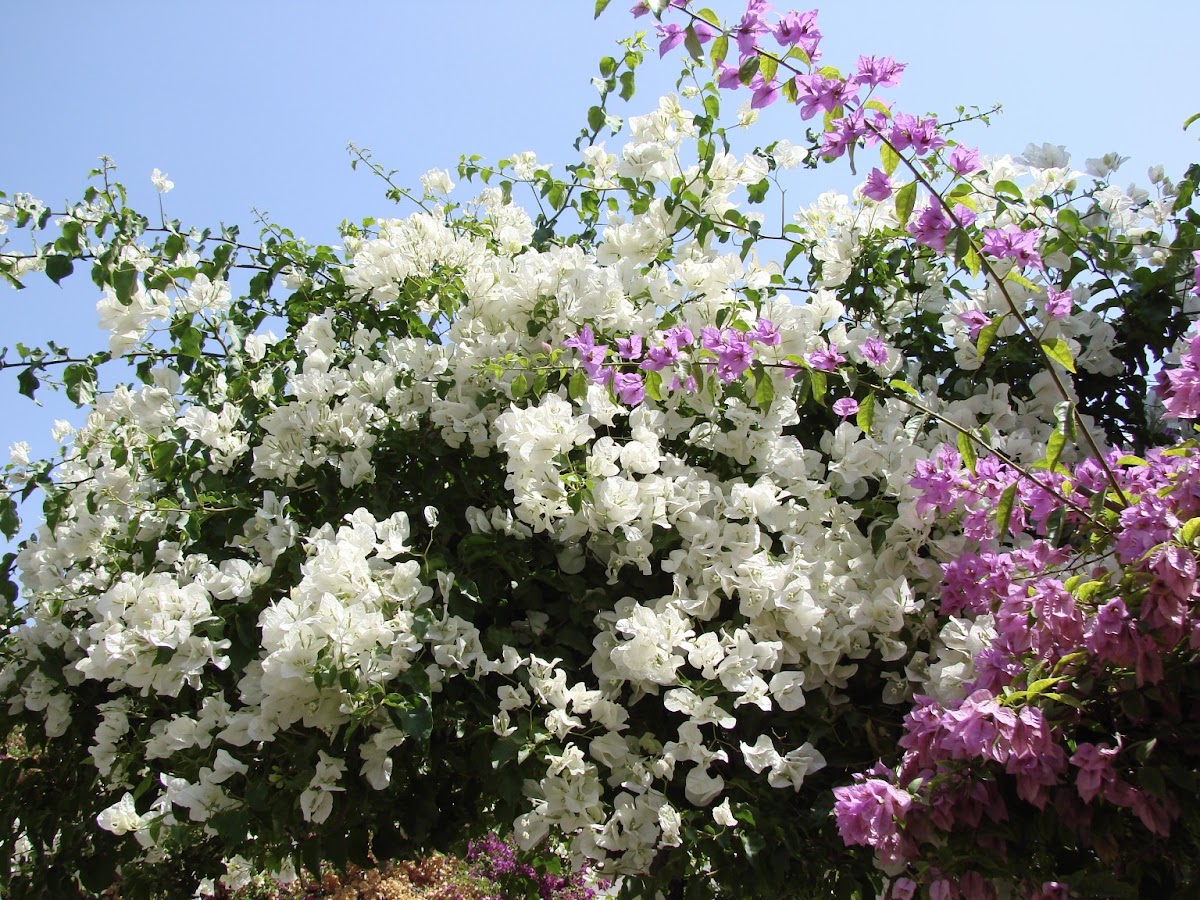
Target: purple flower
[
  {"x": 659, "y": 357},
  {"x": 629, "y": 388},
  {"x": 825, "y": 360},
  {"x": 846, "y": 131},
  {"x": 931, "y": 228},
  {"x": 679, "y": 337},
  {"x": 878, "y": 186},
  {"x": 727, "y": 78},
  {"x": 765, "y": 92},
  {"x": 816, "y": 93},
  {"x": 798, "y": 28},
  {"x": 1196, "y": 271},
  {"x": 630, "y": 347},
  {"x": 734, "y": 358},
  {"x": 964, "y": 160},
  {"x": 672, "y": 36},
  {"x": 592, "y": 354},
  {"x": 975, "y": 320},
  {"x": 746, "y": 32},
  {"x": 867, "y": 813},
  {"x": 908, "y": 131},
  {"x": 703, "y": 31},
  {"x": 1058, "y": 303},
  {"x": 1010, "y": 242},
  {"x": 879, "y": 71},
  {"x": 874, "y": 351},
  {"x": 845, "y": 407},
  {"x": 765, "y": 332},
  {"x": 1095, "y": 769}
]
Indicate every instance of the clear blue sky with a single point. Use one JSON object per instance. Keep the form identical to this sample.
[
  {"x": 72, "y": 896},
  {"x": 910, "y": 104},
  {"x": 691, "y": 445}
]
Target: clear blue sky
[{"x": 250, "y": 104}]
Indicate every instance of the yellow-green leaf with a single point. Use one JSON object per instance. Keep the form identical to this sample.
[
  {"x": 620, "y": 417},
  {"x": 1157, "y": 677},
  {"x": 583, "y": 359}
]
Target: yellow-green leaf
[
  {"x": 888, "y": 158},
  {"x": 866, "y": 413},
  {"x": 1004, "y": 510},
  {"x": 1057, "y": 350},
  {"x": 966, "y": 449},
  {"x": 906, "y": 199}
]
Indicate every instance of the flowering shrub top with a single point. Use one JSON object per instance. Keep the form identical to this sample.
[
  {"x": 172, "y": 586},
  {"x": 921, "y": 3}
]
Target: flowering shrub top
[{"x": 640, "y": 525}]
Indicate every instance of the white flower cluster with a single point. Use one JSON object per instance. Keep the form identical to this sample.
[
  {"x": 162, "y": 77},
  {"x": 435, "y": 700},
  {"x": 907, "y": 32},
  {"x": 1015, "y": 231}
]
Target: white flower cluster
[{"x": 743, "y": 565}]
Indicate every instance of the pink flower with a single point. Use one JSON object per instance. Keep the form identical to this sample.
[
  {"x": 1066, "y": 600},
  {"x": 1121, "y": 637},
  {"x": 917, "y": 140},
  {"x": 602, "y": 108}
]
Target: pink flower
[
  {"x": 845, "y": 407},
  {"x": 825, "y": 360},
  {"x": 867, "y": 813},
  {"x": 879, "y": 71},
  {"x": 931, "y": 228},
  {"x": 1058, "y": 303},
  {"x": 878, "y": 186},
  {"x": 964, "y": 160},
  {"x": 1010, "y": 242},
  {"x": 875, "y": 351},
  {"x": 629, "y": 388},
  {"x": 1095, "y": 769}
]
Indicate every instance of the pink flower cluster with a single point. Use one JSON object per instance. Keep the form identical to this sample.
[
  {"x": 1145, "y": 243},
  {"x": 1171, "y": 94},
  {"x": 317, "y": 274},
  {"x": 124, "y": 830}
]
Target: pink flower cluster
[
  {"x": 1124, "y": 630},
  {"x": 1179, "y": 387},
  {"x": 729, "y": 352}
]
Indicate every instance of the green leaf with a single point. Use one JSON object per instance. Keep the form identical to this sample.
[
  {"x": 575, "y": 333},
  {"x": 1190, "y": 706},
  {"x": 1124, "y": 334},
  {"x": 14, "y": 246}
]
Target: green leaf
[
  {"x": 1004, "y": 510},
  {"x": 162, "y": 453},
  {"x": 906, "y": 198},
  {"x": 1189, "y": 120},
  {"x": 888, "y": 158},
  {"x": 595, "y": 118},
  {"x": 987, "y": 335},
  {"x": 58, "y": 268},
  {"x": 80, "y": 382},
  {"x": 1054, "y": 449},
  {"x": 747, "y": 69},
  {"x": 577, "y": 388},
  {"x": 769, "y": 66},
  {"x": 519, "y": 386},
  {"x": 600, "y": 5},
  {"x": 608, "y": 65},
  {"x": 710, "y": 17},
  {"x": 1015, "y": 276},
  {"x": 1187, "y": 534},
  {"x": 191, "y": 342},
  {"x": 972, "y": 262},
  {"x": 720, "y": 49},
  {"x": 1058, "y": 350},
  {"x": 880, "y": 107},
  {"x": 10, "y": 522},
  {"x": 652, "y": 384},
  {"x": 27, "y": 382},
  {"x": 626, "y": 91},
  {"x": 866, "y": 413},
  {"x": 904, "y": 387},
  {"x": 124, "y": 282},
  {"x": 819, "y": 385},
  {"x": 1010, "y": 189},
  {"x": 764, "y": 391},
  {"x": 966, "y": 449}
]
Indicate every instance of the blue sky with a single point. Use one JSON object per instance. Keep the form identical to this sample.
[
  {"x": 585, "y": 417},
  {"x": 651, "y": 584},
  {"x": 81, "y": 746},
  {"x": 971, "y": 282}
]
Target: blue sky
[{"x": 250, "y": 104}]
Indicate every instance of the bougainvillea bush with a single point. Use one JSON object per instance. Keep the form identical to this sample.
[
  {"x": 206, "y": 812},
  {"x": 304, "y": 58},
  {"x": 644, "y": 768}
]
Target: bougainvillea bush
[{"x": 845, "y": 551}]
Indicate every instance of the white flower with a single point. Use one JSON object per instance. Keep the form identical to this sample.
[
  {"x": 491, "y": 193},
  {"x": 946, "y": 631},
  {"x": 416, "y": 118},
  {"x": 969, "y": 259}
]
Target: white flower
[
  {"x": 723, "y": 815},
  {"x": 1045, "y": 156},
  {"x": 161, "y": 183},
  {"x": 19, "y": 453},
  {"x": 121, "y": 817},
  {"x": 1105, "y": 165},
  {"x": 437, "y": 181}
]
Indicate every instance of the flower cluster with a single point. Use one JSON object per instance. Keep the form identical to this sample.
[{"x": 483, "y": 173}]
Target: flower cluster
[{"x": 637, "y": 537}]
